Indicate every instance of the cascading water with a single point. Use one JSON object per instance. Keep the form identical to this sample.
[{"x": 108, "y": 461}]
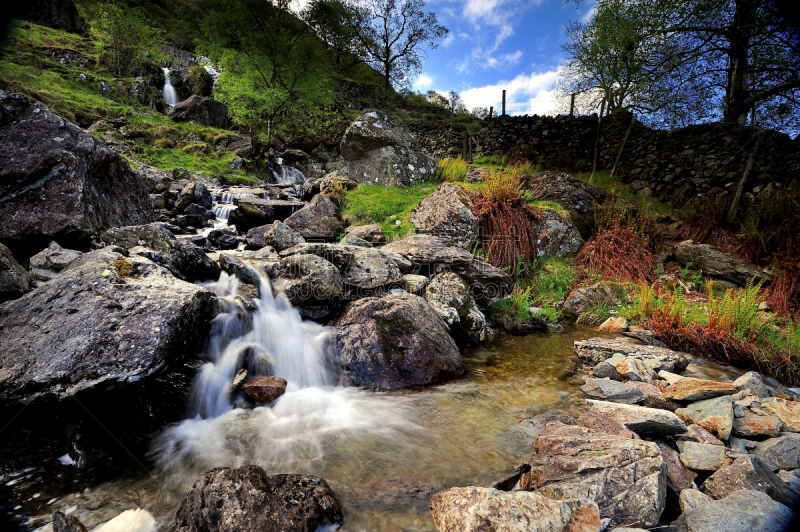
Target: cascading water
[
  {"x": 169, "y": 91},
  {"x": 223, "y": 208},
  {"x": 288, "y": 174}
]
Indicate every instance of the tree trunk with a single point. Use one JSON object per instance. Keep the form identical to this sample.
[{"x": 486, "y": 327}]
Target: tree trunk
[
  {"x": 739, "y": 36},
  {"x": 387, "y": 69}
]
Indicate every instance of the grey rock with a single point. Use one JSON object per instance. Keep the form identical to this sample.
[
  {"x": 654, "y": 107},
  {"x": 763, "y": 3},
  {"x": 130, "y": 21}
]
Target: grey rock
[
  {"x": 690, "y": 499},
  {"x": 679, "y": 477},
  {"x": 616, "y": 392},
  {"x": 281, "y": 236},
  {"x": 204, "y": 111},
  {"x": 306, "y": 279},
  {"x": 255, "y": 236},
  {"x": 582, "y": 299},
  {"x": 66, "y": 523},
  {"x": 446, "y": 214},
  {"x": 364, "y": 268},
  {"x": 350, "y": 240},
  {"x": 714, "y": 415},
  {"x": 556, "y": 235},
  {"x": 14, "y": 280},
  {"x": 787, "y": 411},
  {"x": 698, "y": 434},
  {"x": 596, "y": 350},
  {"x": 713, "y": 262},
  {"x": 54, "y": 258},
  {"x": 414, "y": 284},
  {"x": 237, "y": 268},
  {"x": 752, "y": 425},
  {"x": 321, "y": 219},
  {"x": 194, "y": 193},
  {"x": 749, "y": 473},
  {"x": 742, "y": 511},
  {"x": 780, "y": 453},
  {"x": 640, "y": 418},
  {"x": 752, "y": 381},
  {"x": 371, "y": 233},
  {"x": 449, "y": 290},
  {"x": 704, "y": 457}
]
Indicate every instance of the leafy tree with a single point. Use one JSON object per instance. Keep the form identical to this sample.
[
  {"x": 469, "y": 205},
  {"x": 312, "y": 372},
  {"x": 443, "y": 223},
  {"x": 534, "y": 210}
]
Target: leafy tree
[
  {"x": 127, "y": 40},
  {"x": 333, "y": 21},
  {"x": 396, "y": 35}
]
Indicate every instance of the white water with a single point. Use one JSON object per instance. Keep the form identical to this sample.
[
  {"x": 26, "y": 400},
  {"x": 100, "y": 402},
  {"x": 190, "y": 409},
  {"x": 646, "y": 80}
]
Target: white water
[
  {"x": 169, "y": 91},
  {"x": 289, "y": 175},
  {"x": 223, "y": 208}
]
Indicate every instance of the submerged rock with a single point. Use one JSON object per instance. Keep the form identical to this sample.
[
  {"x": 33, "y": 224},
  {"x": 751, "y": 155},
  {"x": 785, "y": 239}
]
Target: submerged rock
[
  {"x": 743, "y": 511},
  {"x": 446, "y": 214}
]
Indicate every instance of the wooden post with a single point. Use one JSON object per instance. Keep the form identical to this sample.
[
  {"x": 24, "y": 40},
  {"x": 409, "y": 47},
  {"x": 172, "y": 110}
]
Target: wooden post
[
  {"x": 490, "y": 111},
  {"x": 622, "y": 147},
  {"x": 572, "y": 105},
  {"x": 749, "y": 168},
  {"x": 464, "y": 147},
  {"x": 597, "y": 140},
  {"x": 504, "y": 103}
]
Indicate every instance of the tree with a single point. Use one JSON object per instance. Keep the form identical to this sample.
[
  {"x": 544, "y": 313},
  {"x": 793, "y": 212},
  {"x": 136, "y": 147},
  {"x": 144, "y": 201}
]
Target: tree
[
  {"x": 333, "y": 21},
  {"x": 126, "y": 38},
  {"x": 396, "y": 35}
]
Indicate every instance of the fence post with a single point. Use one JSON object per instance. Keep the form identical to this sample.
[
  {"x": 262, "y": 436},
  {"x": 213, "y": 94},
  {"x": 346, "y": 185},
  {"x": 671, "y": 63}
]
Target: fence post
[
  {"x": 572, "y": 105},
  {"x": 490, "y": 111},
  {"x": 597, "y": 141},
  {"x": 464, "y": 147},
  {"x": 504, "y": 103}
]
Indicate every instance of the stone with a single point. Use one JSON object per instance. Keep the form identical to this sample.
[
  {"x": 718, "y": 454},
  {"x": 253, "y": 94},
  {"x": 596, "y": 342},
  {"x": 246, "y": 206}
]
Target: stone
[
  {"x": 204, "y": 111},
  {"x": 713, "y": 262},
  {"x": 240, "y": 378},
  {"x": 614, "y": 325},
  {"x": 654, "y": 398},
  {"x": 66, "y": 523},
  {"x": 281, "y": 236},
  {"x": 320, "y": 220},
  {"x": 14, "y": 280},
  {"x": 690, "y": 389},
  {"x": 329, "y": 183},
  {"x": 780, "y": 453},
  {"x": 787, "y": 411},
  {"x": 575, "y": 196},
  {"x": 625, "y": 477},
  {"x": 582, "y": 299},
  {"x": 634, "y": 369},
  {"x": 447, "y": 214},
  {"x": 54, "y": 258},
  {"x": 395, "y": 341},
  {"x": 597, "y": 421},
  {"x": 306, "y": 278},
  {"x": 185, "y": 261},
  {"x": 640, "y": 418},
  {"x": 703, "y": 457},
  {"x": 752, "y": 381},
  {"x": 679, "y": 477},
  {"x": 449, "y": 290},
  {"x": 737, "y": 445},
  {"x": 247, "y": 500},
  {"x": 700, "y": 435},
  {"x": 362, "y": 268},
  {"x": 533, "y": 426},
  {"x": 752, "y": 425},
  {"x": 473, "y": 509},
  {"x": 714, "y": 415},
  {"x": 57, "y": 182},
  {"x": 742, "y": 511},
  {"x": 556, "y": 235},
  {"x": 222, "y": 239},
  {"x": 748, "y": 473},
  {"x": 690, "y": 499},
  {"x": 606, "y": 370},
  {"x": 377, "y": 150},
  {"x": 255, "y": 236},
  {"x": 59, "y": 14},
  {"x": 194, "y": 193},
  {"x": 256, "y": 212},
  {"x": 414, "y": 284},
  {"x": 104, "y": 321},
  {"x": 670, "y": 377},
  {"x": 371, "y": 233},
  {"x": 236, "y": 267},
  {"x": 616, "y": 392},
  {"x": 350, "y": 240},
  {"x": 595, "y": 350},
  {"x": 264, "y": 390}
]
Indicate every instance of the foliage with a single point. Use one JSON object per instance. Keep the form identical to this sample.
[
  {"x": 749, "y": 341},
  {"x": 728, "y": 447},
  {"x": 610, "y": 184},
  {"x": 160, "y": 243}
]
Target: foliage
[
  {"x": 603, "y": 180},
  {"x": 596, "y": 314},
  {"x": 513, "y": 313},
  {"x": 453, "y": 170},
  {"x": 503, "y": 186},
  {"x": 551, "y": 280},
  {"x": 127, "y": 41},
  {"x": 377, "y": 204},
  {"x": 333, "y": 20}
]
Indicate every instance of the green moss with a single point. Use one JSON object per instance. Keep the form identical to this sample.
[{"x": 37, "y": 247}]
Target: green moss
[{"x": 376, "y": 204}]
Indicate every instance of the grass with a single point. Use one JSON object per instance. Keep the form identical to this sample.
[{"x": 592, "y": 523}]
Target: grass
[
  {"x": 551, "y": 280},
  {"x": 614, "y": 186},
  {"x": 377, "y": 204},
  {"x": 453, "y": 170}
]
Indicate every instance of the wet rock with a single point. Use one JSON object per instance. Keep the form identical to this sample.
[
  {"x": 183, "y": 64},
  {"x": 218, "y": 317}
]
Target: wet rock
[
  {"x": 223, "y": 239},
  {"x": 14, "y": 280},
  {"x": 394, "y": 342},
  {"x": 748, "y": 473},
  {"x": 752, "y": 381},
  {"x": 780, "y": 453},
  {"x": 751, "y": 425},
  {"x": 264, "y": 390},
  {"x": 362, "y": 268},
  {"x": 54, "y": 258},
  {"x": 319, "y": 220},
  {"x": 614, "y": 325},
  {"x": 237, "y": 268},
  {"x": 582, "y": 299},
  {"x": 703, "y": 457},
  {"x": 616, "y": 392},
  {"x": 204, "y": 111},
  {"x": 473, "y": 509},
  {"x": 533, "y": 426},
  {"x": 787, "y": 411},
  {"x": 447, "y": 214},
  {"x": 281, "y": 236},
  {"x": 236, "y": 383},
  {"x": 184, "y": 260},
  {"x": 690, "y": 499},
  {"x": 713, "y": 262},
  {"x": 377, "y": 150},
  {"x": 556, "y": 235},
  {"x": 714, "y": 415},
  {"x": 679, "y": 478},
  {"x": 690, "y": 389},
  {"x": 742, "y": 511},
  {"x": 256, "y": 212},
  {"x": 640, "y": 418},
  {"x": 247, "y": 500},
  {"x": 575, "y": 196},
  {"x": 66, "y": 523},
  {"x": 625, "y": 477},
  {"x": 194, "y": 193},
  {"x": 306, "y": 278},
  {"x": 105, "y": 320},
  {"x": 596, "y": 350},
  {"x": 414, "y": 284},
  {"x": 371, "y": 233},
  {"x": 45, "y": 157}
]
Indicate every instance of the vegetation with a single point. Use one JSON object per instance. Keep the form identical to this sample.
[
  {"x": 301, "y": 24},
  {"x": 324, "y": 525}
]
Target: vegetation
[
  {"x": 453, "y": 170},
  {"x": 376, "y": 204}
]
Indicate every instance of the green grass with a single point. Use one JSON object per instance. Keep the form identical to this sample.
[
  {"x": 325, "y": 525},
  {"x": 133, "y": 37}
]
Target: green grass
[
  {"x": 377, "y": 204},
  {"x": 453, "y": 170},
  {"x": 551, "y": 280},
  {"x": 613, "y": 185}
]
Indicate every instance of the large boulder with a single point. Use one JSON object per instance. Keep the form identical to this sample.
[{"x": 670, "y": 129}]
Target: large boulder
[
  {"x": 53, "y": 258},
  {"x": 376, "y": 150},
  {"x": 204, "y": 111},
  {"x": 742, "y": 511},
  {"x": 748, "y": 473},
  {"x": 58, "y": 14},
  {"x": 157, "y": 243},
  {"x": 395, "y": 341},
  {"x": 14, "y": 280},
  {"x": 556, "y": 235},
  {"x": 625, "y": 477},
  {"x": 106, "y": 319},
  {"x": 194, "y": 192},
  {"x": 320, "y": 220},
  {"x": 713, "y": 262},
  {"x": 281, "y": 236},
  {"x": 446, "y": 213},
  {"x": 306, "y": 278},
  {"x": 256, "y": 212},
  {"x": 474, "y": 509},
  {"x": 578, "y": 198},
  {"x": 247, "y": 500},
  {"x": 57, "y": 182}
]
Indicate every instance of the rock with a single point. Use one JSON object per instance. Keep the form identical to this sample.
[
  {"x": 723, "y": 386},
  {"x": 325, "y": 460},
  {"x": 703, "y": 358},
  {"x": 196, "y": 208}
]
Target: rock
[
  {"x": 473, "y": 509},
  {"x": 614, "y": 325},
  {"x": 780, "y": 453},
  {"x": 787, "y": 411},
  {"x": 703, "y": 457},
  {"x": 737, "y": 445},
  {"x": 751, "y": 425},
  {"x": 371, "y": 233},
  {"x": 222, "y": 239},
  {"x": 105, "y": 320},
  {"x": 713, "y": 262},
  {"x": 634, "y": 369},
  {"x": 255, "y": 236},
  {"x": 597, "y": 421},
  {"x": 575, "y": 196},
  {"x": 743, "y": 511},
  {"x": 690, "y": 499},
  {"x": 362, "y": 268},
  {"x": 679, "y": 478},
  {"x": 582, "y": 299},
  {"x": 690, "y": 389},
  {"x": 670, "y": 377},
  {"x": 714, "y": 415},
  {"x": 640, "y": 418},
  {"x": 748, "y": 473},
  {"x": 66, "y": 523},
  {"x": 625, "y": 477},
  {"x": 394, "y": 342},
  {"x": 184, "y": 260},
  {"x": 700, "y": 435},
  {"x": 556, "y": 235},
  {"x": 264, "y": 390},
  {"x": 616, "y": 392},
  {"x": 330, "y": 182},
  {"x": 378, "y": 151},
  {"x": 44, "y": 157},
  {"x": 654, "y": 398},
  {"x": 14, "y": 280},
  {"x": 447, "y": 214},
  {"x": 533, "y": 426},
  {"x": 596, "y": 350},
  {"x": 237, "y": 268},
  {"x": 236, "y": 383},
  {"x": 319, "y": 220},
  {"x": 449, "y": 290},
  {"x": 350, "y": 240},
  {"x": 426, "y": 250},
  {"x": 247, "y": 500},
  {"x": 58, "y": 14},
  {"x": 255, "y": 212},
  {"x": 194, "y": 193},
  {"x": 752, "y": 381},
  {"x": 306, "y": 279},
  {"x": 414, "y": 284},
  {"x": 204, "y": 111},
  {"x": 281, "y": 236},
  {"x": 54, "y": 258},
  {"x": 606, "y": 370}
]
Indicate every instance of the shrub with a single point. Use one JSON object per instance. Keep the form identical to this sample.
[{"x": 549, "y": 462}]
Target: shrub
[
  {"x": 508, "y": 237},
  {"x": 513, "y": 313},
  {"x": 503, "y": 186},
  {"x": 453, "y": 170}
]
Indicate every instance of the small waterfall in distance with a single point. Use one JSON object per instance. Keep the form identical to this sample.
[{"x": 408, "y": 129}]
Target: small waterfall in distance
[{"x": 169, "y": 91}]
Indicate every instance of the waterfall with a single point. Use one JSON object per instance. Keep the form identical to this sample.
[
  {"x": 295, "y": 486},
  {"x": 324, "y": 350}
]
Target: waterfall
[
  {"x": 169, "y": 91},
  {"x": 222, "y": 209},
  {"x": 288, "y": 175}
]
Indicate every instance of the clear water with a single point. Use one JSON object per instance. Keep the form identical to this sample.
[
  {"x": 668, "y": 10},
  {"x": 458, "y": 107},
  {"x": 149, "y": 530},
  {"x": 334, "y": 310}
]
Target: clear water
[{"x": 170, "y": 95}]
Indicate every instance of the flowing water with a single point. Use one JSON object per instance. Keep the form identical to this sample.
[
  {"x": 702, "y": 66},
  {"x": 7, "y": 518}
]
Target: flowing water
[
  {"x": 169, "y": 91},
  {"x": 222, "y": 209},
  {"x": 288, "y": 175}
]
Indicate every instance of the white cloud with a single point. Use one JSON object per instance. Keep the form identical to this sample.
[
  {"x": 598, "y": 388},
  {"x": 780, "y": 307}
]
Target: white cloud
[
  {"x": 529, "y": 93},
  {"x": 423, "y": 82},
  {"x": 587, "y": 17}
]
